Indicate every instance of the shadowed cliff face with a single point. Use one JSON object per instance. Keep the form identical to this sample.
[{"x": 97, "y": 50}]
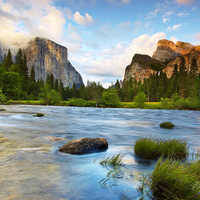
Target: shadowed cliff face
[
  {"x": 164, "y": 58},
  {"x": 48, "y": 57},
  {"x": 142, "y": 67}
]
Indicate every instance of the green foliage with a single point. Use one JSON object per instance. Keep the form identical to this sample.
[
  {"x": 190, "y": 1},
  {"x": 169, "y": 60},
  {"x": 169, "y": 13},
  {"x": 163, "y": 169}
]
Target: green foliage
[
  {"x": 140, "y": 99},
  {"x": 53, "y": 97},
  {"x": 175, "y": 179},
  {"x": 115, "y": 160},
  {"x": 165, "y": 103},
  {"x": 186, "y": 104},
  {"x": 152, "y": 148},
  {"x": 11, "y": 85},
  {"x": 157, "y": 66},
  {"x": 8, "y": 61},
  {"x": 80, "y": 103},
  {"x": 110, "y": 98},
  {"x": 167, "y": 125},
  {"x": 49, "y": 96},
  {"x": 2, "y": 97},
  {"x": 32, "y": 75}
]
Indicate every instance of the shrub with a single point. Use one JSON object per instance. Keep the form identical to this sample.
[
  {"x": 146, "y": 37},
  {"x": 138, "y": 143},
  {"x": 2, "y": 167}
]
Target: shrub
[
  {"x": 165, "y": 103},
  {"x": 112, "y": 160},
  {"x": 172, "y": 179},
  {"x": 167, "y": 125},
  {"x": 110, "y": 99},
  {"x": 140, "y": 99},
  {"x": 152, "y": 148}
]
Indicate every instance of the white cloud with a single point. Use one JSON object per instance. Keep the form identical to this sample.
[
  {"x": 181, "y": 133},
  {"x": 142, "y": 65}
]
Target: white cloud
[
  {"x": 119, "y": 2},
  {"x": 175, "y": 27},
  {"x": 81, "y": 19},
  {"x": 154, "y": 13},
  {"x": 21, "y": 20},
  {"x": 125, "y": 24},
  {"x": 182, "y": 14},
  {"x": 169, "y": 13},
  {"x": 110, "y": 64},
  {"x": 166, "y": 19},
  {"x": 197, "y": 36},
  {"x": 194, "y": 8},
  {"x": 67, "y": 12},
  {"x": 184, "y": 1},
  {"x": 174, "y": 39},
  {"x": 125, "y": 1}
]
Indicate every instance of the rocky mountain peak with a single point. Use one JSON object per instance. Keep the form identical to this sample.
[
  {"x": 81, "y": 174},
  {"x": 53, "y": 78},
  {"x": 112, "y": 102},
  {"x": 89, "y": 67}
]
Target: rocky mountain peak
[
  {"x": 49, "y": 57},
  {"x": 168, "y": 50},
  {"x": 164, "y": 58}
]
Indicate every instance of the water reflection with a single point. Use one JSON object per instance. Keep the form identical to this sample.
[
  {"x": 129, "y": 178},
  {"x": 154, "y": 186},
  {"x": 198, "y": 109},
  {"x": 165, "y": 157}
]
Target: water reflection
[{"x": 31, "y": 167}]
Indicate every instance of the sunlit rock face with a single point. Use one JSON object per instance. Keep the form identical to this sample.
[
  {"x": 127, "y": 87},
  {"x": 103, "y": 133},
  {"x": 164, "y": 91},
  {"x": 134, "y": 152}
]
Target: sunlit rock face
[
  {"x": 167, "y": 50},
  {"x": 48, "y": 57},
  {"x": 164, "y": 58}
]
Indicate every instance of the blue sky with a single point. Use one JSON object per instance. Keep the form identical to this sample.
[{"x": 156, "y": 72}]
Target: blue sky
[{"x": 102, "y": 36}]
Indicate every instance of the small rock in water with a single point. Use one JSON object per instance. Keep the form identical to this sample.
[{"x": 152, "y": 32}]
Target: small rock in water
[
  {"x": 52, "y": 138},
  {"x": 85, "y": 145}
]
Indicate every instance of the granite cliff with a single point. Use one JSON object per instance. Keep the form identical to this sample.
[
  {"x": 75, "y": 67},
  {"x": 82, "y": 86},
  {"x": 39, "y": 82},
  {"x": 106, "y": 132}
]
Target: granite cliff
[
  {"x": 164, "y": 58},
  {"x": 48, "y": 57}
]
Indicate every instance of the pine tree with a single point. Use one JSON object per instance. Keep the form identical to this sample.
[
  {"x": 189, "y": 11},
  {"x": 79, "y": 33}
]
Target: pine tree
[
  {"x": 192, "y": 77},
  {"x": 194, "y": 68},
  {"x": 25, "y": 68},
  {"x": 117, "y": 86},
  {"x": 56, "y": 85},
  {"x": 182, "y": 79},
  {"x": 19, "y": 60},
  {"x": 61, "y": 88},
  {"x": 8, "y": 61},
  {"x": 32, "y": 75},
  {"x": 174, "y": 80},
  {"x": 74, "y": 90},
  {"x": 51, "y": 81}
]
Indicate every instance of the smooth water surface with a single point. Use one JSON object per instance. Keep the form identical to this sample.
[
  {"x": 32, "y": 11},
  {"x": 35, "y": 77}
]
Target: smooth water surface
[{"x": 31, "y": 167}]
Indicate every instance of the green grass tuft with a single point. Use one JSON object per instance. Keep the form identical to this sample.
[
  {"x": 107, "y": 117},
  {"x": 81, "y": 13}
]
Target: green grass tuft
[
  {"x": 38, "y": 115},
  {"x": 175, "y": 179},
  {"x": 167, "y": 125},
  {"x": 115, "y": 160},
  {"x": 152, "y": 148}
]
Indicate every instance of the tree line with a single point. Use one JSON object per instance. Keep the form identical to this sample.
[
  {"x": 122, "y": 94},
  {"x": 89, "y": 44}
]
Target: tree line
[
  {"x": 16, "y": 83},
  {"x": 183, "y": 83}
]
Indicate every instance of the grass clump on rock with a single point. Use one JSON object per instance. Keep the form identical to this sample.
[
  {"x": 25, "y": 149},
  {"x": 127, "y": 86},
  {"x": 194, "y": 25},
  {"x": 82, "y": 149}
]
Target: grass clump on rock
[
  {"x": 152, "y": 148},
  {"x": 175, "y": 179},
  {"x": 38, "y": 115},
  {"x": 167, "y": 125},
  {"x": 115, "y": 160}
]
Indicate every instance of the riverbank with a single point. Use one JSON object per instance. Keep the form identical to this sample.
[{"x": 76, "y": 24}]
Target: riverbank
[
  {"x": 147, "y": 105},
  {"x": 180, "y": 105}
]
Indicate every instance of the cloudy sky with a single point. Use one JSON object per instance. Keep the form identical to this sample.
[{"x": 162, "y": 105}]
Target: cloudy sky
[{"x": 102, "y": 36}]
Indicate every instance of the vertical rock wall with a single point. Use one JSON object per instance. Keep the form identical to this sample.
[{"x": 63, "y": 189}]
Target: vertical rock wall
[{"x": 48, "y": 57}]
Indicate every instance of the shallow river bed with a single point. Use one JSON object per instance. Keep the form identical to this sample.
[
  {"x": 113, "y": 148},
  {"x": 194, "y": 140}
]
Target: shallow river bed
[{"x": 31, "y": 167}]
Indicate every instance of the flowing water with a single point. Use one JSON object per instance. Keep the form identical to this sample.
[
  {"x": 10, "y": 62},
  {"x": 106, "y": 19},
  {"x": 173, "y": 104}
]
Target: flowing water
[{"x": 31, "y": 167}]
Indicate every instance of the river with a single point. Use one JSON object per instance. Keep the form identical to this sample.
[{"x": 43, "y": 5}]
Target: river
[{"x": 31, "y": 167}]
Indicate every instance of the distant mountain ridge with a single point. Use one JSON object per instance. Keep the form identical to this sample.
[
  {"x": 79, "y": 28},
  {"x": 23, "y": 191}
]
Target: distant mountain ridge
[
  {"x": 164, "y": 58},
  {"x": 49, "y": 57}
]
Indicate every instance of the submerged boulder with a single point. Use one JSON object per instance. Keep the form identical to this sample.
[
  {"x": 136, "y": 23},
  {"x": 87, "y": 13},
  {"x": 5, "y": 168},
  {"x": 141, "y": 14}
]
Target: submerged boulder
[{"x": 85, "y": 145}]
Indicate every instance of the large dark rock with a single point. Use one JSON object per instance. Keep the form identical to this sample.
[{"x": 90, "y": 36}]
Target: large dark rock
[{"x": 85, "y": 145}]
